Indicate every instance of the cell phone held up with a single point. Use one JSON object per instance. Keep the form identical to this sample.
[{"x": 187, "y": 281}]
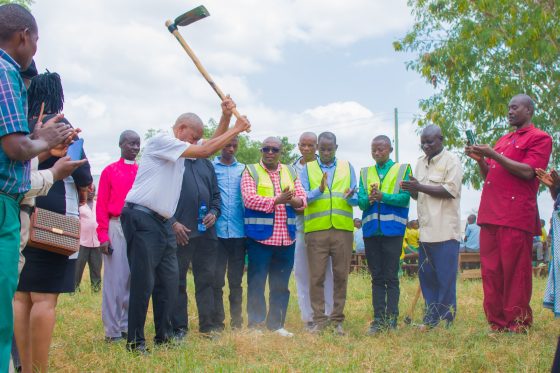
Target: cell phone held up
[
  {"x": 75, "y": 150},
  {"x": 471, "y": 137}
]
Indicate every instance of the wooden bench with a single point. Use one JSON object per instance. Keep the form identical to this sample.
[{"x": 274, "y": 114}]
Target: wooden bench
[
  {"x": 410, "y": 264},
  {"x": 469, "y": 257},
  {"x": 358, "y": 262}
]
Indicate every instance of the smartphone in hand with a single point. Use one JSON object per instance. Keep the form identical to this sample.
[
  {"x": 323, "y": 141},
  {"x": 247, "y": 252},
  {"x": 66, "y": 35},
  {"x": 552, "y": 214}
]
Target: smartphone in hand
[
  {"x": 75, "y": 150},
  {"x": 471, "y": 137}
]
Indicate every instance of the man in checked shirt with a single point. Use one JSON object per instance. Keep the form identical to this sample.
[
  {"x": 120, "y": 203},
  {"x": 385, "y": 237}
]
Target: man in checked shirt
[{"x": 271, "y": 191}]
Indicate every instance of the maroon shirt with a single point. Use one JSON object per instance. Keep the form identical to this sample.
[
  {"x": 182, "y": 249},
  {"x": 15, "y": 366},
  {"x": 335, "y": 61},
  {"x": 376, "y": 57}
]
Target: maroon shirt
[{"x": 508, "y": 200}]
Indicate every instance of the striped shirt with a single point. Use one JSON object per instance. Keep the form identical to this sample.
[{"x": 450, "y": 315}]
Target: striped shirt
[
  {"x": 14, "y": 175},
  {"x": 251, "y": 200}
]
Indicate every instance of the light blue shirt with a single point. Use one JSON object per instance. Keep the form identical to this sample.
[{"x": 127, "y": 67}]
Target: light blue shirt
[
  {"x": 312, "y": 195},
  {"x": 472, "y": 234},
  {"x": 230, "y": 224},
  {"x": 359, "y": 241}
]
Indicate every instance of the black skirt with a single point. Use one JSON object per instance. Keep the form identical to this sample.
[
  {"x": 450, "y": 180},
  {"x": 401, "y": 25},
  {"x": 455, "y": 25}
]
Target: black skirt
[{"x": 46, "y": 272}]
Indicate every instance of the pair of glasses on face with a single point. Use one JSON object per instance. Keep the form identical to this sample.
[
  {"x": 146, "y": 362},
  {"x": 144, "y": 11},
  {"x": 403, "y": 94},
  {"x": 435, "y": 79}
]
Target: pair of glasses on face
[{"x": 269, "y": 149}]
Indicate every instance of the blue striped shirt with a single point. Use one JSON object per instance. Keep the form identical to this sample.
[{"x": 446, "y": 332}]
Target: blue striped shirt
[{"x": 14, "y": 175}]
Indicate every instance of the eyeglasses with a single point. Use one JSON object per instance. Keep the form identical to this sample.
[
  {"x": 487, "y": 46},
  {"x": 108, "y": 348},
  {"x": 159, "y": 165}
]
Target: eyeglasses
[{"x": 269, "y": 149}]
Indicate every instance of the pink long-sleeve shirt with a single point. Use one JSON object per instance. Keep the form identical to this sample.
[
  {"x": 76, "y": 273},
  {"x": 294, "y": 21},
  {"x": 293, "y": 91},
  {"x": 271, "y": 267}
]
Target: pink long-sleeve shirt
[{"x": 114, "y": 184}]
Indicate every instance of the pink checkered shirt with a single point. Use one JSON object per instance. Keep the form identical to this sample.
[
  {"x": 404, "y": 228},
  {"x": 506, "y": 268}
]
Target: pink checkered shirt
[{"x": 251, "y": 200}]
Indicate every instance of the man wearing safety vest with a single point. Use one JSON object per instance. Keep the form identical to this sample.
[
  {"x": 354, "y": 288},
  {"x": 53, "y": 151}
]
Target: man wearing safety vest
[
  {"x": 330, "y": 184},
  {"x": 384, "y": 219},
  {"x": 271, "y": 191}
]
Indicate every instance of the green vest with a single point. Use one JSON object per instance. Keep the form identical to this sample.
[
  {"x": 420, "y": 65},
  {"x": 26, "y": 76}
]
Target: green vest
[{"x": 331, "y": 209}]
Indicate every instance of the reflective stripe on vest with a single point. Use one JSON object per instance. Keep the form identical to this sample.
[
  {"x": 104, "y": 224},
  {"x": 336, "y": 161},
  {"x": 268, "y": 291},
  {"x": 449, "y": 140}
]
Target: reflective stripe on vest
[
  {"x": 260, "y": 225},
  {"x": 390, "y": 219},
  {"x": 331, "y": 208}
]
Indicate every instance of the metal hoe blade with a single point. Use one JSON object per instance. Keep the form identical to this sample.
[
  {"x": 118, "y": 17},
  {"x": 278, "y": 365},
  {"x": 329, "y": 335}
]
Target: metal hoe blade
[{"x": 192, "y": 16}]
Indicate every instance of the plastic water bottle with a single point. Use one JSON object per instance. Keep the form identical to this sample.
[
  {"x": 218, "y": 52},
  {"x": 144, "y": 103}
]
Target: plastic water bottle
[{"x": 202, "y": 211}]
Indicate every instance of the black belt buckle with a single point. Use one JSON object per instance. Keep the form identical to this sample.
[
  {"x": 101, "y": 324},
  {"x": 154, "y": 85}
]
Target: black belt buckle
[{"x": 147, "y": 210}]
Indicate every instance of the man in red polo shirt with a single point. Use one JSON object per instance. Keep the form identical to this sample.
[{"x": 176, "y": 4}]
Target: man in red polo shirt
[{"x": 509, "y": 217}]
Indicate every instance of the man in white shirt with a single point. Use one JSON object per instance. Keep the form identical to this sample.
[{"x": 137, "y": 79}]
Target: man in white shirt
[{"x": 151, "y": 242}]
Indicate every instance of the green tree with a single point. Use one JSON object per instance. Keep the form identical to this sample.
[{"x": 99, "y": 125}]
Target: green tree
[
  {"x": 248, "y": 150},
  {"x": 25, "y": 3},
  {"x": 478, "y": 54}
]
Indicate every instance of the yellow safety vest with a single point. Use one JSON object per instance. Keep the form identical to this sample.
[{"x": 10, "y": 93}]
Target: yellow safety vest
[
  {"x": 260, "y": 225},
  {"x": 331, "y": 209}
]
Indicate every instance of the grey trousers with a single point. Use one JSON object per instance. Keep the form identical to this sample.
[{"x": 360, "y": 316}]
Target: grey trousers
[
  {"x": 91, "y": 256},
  {"x": 116, "y": 284}
]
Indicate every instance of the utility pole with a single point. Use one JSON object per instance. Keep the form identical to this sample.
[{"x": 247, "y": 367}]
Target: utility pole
[{"x": 396, "y": 135}]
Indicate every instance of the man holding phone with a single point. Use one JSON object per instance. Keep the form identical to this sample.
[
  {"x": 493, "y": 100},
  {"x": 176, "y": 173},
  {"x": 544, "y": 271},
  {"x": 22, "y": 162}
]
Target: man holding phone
[
  {"x": 509, "y": 217},
  {"x": 330, "y": 184},
  {"x": 114, "y": 184}
]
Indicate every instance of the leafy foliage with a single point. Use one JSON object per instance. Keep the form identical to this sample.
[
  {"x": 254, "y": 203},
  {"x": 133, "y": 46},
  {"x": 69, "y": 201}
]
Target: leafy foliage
[
  {"x": 25, "y": 3},
  {"x": 248, "y": 150},
  {"x": 478, "y": 54}
]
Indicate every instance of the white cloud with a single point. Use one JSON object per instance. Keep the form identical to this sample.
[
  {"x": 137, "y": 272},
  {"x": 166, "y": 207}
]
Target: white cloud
[{"x": 369, "y": 62}]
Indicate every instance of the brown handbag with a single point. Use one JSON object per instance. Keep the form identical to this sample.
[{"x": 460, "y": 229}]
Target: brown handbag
[{"x": 54, "y": 232}]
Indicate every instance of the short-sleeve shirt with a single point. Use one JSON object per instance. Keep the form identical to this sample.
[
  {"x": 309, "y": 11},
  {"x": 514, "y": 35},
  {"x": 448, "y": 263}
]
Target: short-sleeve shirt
[
  {"x": 14, "y": 175},
  {"x": 472, "y": 234},
  {"x": 508, "y": 200},
  {"x": 439, "y": 218},
  {"x": 160, "y": 175}
]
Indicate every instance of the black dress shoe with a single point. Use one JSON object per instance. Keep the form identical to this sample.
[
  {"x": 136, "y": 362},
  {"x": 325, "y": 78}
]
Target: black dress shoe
[
  {"x": 137, "y": 348},
  {"x": 124, "y": 335},
  {"x": 375, "y": 329},
  {"x": 179, "y": 335}
]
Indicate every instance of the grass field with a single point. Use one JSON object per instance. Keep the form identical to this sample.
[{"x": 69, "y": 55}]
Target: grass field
[{"x": 78, "y": 343}]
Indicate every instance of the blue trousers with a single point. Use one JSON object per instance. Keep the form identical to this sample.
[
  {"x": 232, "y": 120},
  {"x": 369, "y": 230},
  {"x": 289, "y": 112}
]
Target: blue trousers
[
  {"x": 437, "y": 271},
  {"x": 276, "y": 263}
]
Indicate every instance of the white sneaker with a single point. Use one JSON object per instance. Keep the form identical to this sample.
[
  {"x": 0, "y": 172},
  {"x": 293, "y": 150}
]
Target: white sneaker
[{"x": 284, "y": 333}]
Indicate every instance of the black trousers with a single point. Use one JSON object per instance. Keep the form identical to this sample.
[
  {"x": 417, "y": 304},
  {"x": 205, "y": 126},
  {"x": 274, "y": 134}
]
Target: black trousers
[
  {"x": 201, "y": 251},
  {"x": 152, "y": 256},
  {"x": 383, "y": 257},
  {"x": 231, "y": 256}
]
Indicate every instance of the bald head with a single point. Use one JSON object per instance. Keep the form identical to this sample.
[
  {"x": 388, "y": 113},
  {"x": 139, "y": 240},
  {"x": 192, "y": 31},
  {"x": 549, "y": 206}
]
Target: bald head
[
  {"x": 189, "y": 128},
  {"x": 273, "y": 141},
  {"x": 129, "y": 142},
  {"x": 189, "y": 120},
  {"x": 431, "y": 140},
  {"x": 526, "y": 101},
  {"x": 432, "y": 130},
  {"x": 382, "y": 138},
  {"x": 308, "y": 136},
  {"x": 307, "y": 146},
  {"x": 126, "y": 135},
  {"x": 520, "y": 110}
]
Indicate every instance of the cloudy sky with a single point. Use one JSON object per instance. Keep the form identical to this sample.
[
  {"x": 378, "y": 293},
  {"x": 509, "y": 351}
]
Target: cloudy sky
[{"x": 290, "y": 65}]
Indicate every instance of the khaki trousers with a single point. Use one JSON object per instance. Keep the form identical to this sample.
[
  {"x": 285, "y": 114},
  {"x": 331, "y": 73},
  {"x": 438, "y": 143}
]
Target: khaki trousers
[
  {"x": 336, "y": 244},
  {"x": 24, "y": 237}
]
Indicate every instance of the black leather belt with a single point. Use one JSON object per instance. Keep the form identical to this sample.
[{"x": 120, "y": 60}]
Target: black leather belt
[
  {"x": 28, "y": 209},
  {"x": 134, "y": 206},
  {"x": 15, "y": 196}
]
